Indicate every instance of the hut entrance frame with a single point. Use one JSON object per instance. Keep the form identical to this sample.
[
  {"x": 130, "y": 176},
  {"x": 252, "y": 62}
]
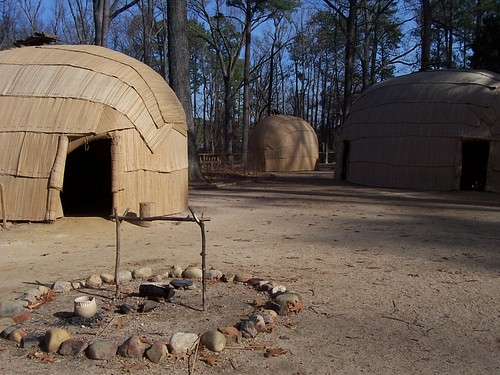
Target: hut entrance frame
[
  {"x": 475, "y": 154},
  {"x": 87, "y": 180}
]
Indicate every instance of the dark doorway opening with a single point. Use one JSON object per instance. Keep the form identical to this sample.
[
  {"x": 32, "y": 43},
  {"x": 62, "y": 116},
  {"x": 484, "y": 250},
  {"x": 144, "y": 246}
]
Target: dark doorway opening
[
  {"x": 474, "y": 165},
  {"x": 345, "y": 160},
  {"x": 87, "y": 180}
]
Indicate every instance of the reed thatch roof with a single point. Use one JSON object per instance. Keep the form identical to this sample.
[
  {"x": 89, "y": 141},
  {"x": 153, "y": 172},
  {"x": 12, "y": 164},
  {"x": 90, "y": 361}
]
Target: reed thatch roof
[
  {"x": 54, "y": 99},
  {"x": 408, "y": 131},
  {"x": 283, "y": 143}
]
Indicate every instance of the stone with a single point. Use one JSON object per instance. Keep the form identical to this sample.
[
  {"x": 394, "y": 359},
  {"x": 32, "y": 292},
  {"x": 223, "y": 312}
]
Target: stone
[
  {"x": 248, "y": 329},
  {"x": 182, "y": 343},
  {"x": 30, "y": 298},
  {"x": 5, "y": 323},
  {"x": 17, "y": 335},
  {"x": 228, "y": 277},
  {"x": 61, "y": 286},
  {"x": 155, "y": 278},
  {"x": 192, "y": 272},
  {"x": 133, "y": 347},
  {"x": 74, "y": 347},
  {"x": 267, "y": 315},
  {"x": 54, "y": 337},
  {"x": 157, "y": 352},
  {"x": 213, "y": 340},
  {"x": 213, "y": 274},
  {"x": 32, "y": 341},
  {"x": 255, "y": 281},
  {"x": 107, "y": 278},
  {"x": 273, "y": 314},
  {"x": 43, "y": 289},
  {"x": 124, "y": 276},
  {"x": 175, "y": 271},
  {"x": 149, "y": 306},
  {"x": 125, "y": 309},
  {"x": 34, "y": 292},
  {"x": 289, "y": 301},
  {"x": 6, "y": 332},
  {"x": 93, "y": 281},
  {"x": 142, "y": 273},
  {"x": 259, "y": 322},
  {"x": 277, "y": 290},
  {"x": 155, "y": 290},
  {"x": 9, "y": 308},
  {"x": 232, "y": 334},
  {"x": 264, "y": 285},
  {"x": 23, "y": 303},
  {"x": 242, "y": 277},
  {"x": 102, "y": 350},
  {"x": 77, "y": 285},
  {"x": 180, "y": 283},
  {"x": 22, "y": 317}
]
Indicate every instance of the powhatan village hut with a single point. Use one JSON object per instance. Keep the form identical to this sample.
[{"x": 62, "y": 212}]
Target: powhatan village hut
[
  {"x": 432, "y": 130},
  {"x": 282, "y": 143},
  {"x": 83, "y": 130}
]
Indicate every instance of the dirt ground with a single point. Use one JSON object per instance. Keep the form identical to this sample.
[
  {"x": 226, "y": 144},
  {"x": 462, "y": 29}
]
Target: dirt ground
[{"x": 394, "y": 282}]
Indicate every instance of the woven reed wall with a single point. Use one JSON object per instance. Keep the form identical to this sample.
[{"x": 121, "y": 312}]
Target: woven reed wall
[
  {"x": 140, "y": 176},
  {"x": 406, "y": 132},
  {"x": 283, "y": 143}
]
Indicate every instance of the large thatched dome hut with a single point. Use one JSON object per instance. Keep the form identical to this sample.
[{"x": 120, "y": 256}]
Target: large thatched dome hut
[
  {"x": 282, "y": 143},
  {"x": 433, "y": 130},
  {"x": 85, "y": 129}
]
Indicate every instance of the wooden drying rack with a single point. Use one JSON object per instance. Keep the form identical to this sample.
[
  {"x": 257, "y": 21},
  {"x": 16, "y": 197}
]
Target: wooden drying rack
[{"x": 192, "y": 218}]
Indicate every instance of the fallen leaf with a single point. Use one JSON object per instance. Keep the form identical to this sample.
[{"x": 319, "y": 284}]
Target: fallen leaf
[
  {"x": 120, "y": 324},
  {"x": 257, "y": 346},
  {"x": 133, "y": 368},
  {"x": 274, "y": 352},
  {"x": 258, "y": 303},
  {"x": 210, "y": 360},
  {"x": 49, "y": 358},
  {"x": 296, "y": 307}
]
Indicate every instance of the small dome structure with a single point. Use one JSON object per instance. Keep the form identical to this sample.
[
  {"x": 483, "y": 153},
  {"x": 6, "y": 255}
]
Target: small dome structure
[
  {"x": 86, "y": 129},
  {"x": 282, "y": 143},
  {"x": 432, "y": 130}
]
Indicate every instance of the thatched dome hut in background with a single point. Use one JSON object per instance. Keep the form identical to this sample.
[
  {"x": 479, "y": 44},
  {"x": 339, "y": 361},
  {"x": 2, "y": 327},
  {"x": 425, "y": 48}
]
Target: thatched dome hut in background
[
  {"x": 85, "y": 129},
  {"x": 282, "y": 143},
  {"x": 433, "y": 130}
]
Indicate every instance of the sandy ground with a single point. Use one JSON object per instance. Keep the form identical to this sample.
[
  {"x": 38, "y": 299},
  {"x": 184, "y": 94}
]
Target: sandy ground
[{"x": 395, "y": 282}]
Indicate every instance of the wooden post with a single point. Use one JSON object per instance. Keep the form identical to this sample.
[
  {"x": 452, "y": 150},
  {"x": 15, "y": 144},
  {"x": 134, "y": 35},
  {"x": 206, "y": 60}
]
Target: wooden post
[
  {"x": 145, "y": 209},
  {"x": 4, "y": 210},
  {"x": 117, "y": 260},
  {"x": 203, "y": 259}
]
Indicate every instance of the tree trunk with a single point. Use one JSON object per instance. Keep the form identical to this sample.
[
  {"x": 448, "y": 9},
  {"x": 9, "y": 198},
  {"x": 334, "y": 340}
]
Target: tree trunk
[
  {"x": 228, "y": 123},
  {"x": 179, "y": 75},
  {"x": 426, "y": 35},
  {"x": 349, "y": 56},
  {"x": 101, "y": 22},
  {"x": 246, "y": 86}
]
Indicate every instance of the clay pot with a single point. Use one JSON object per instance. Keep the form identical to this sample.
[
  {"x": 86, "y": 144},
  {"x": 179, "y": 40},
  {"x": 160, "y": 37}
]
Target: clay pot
[{"x": 85, "y": 307}]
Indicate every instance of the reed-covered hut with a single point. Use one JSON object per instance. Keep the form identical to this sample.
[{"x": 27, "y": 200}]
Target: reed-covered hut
[
  {"x": 432, "y": 130},
  {"x": 281, "y": 143},
  {"x": 83, "y": 130}
]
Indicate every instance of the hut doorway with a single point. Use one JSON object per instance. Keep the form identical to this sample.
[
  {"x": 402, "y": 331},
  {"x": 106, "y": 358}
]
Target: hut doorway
[
  {"x": 87, "y": 180},
  {"x": 345, "y": 159},
  {"x": 474, "y": 165}
]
